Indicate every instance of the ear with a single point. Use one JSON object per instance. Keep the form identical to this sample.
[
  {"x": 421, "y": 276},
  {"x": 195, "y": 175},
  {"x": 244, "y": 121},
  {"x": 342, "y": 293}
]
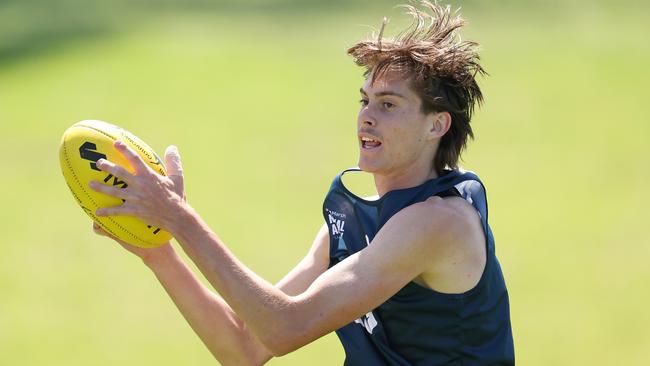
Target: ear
[{"x": 439, "y": 124}]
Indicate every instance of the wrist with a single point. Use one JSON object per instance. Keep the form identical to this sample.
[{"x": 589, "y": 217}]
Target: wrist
[
  {"x": 155, "y": 258},
  {"x": 182, "y": 221}
]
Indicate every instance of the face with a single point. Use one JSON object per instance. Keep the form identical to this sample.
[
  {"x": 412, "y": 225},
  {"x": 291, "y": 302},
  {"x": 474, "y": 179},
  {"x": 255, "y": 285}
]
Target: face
[{"x": 394, "y": 135}]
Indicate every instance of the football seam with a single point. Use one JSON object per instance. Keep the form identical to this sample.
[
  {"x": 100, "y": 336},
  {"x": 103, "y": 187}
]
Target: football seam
[
  {"x": 100, "y": 131},
  {"x": 132, "y": 141},
  {"x": 78, "y": 181}
]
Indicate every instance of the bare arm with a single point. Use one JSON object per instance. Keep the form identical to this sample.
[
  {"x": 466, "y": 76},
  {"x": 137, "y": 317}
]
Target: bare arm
[
  {"x": 224, "y": 334},
  {"x": 418, "y": 240},
  {"x": 411, "y": 243},
  {"x": 218, "y": 327}
]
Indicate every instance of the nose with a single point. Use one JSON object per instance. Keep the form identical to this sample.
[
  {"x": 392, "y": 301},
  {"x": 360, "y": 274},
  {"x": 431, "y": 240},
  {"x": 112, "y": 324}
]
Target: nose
[{"x": 365, "y": 118}]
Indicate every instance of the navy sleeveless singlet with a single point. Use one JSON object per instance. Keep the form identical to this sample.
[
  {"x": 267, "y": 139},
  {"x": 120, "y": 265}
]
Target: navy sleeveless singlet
[{"x": 418, "y": 325}]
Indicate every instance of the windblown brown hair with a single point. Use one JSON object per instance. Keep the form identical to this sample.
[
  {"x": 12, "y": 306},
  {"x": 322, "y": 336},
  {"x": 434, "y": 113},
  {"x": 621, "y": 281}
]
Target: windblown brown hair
[{"x": 442, "y": 69}]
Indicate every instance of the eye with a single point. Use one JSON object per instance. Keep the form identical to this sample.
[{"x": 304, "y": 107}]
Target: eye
[
  {"x": 388, "y": 105},
  {"x": 363, "y": 102}
]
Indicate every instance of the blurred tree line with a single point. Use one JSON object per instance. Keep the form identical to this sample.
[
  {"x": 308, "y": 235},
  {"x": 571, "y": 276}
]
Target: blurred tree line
[{"x": 29, "y": 27}]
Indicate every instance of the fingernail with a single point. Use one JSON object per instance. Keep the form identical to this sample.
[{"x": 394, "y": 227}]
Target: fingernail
[
  {"x": 119, "y": 143},
  {"x": 99, "y": 212},
  {"x": 99, "y": 162}
]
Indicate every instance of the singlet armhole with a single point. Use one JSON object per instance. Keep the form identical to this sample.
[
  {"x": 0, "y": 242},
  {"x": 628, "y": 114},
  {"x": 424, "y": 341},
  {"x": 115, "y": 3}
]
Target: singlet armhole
[{"x": 451, "y": 192}]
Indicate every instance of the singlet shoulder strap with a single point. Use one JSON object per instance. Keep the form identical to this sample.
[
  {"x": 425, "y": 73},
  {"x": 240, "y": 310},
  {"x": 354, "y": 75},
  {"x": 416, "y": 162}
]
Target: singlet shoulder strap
[
  {"x": 471, "y": 188},
  {"x": 467, "y": 183}
]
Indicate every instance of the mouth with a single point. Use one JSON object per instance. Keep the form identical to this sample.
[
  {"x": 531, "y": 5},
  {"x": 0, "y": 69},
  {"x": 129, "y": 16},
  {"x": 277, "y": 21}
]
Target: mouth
[{"x": 369, "y": 143}]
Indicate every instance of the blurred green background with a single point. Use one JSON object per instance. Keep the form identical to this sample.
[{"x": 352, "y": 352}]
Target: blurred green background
[{"x": 261, "y": 99}]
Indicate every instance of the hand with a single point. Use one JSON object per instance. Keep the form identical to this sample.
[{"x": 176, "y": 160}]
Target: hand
[
  {"x": 148, "y": 255},
  {"x": 155, "y": 199}
]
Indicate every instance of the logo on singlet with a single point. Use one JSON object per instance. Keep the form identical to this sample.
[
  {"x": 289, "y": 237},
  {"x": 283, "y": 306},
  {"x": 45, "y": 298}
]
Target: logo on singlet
[
  {"x": 336, "y": 221},
  {"x": 368, "y": 321}
]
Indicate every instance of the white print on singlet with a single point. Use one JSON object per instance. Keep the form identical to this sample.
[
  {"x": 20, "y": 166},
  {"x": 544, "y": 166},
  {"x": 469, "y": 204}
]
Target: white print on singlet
[
  {"x": 336, "y": 222},
  {"x": 368, "y": 321}
]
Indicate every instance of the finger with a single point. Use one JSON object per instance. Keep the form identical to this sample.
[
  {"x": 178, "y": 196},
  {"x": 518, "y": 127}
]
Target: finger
[
  {"x": 174, "y": 168},
  {"x": 101, "y": 232},
  {"x": 121, "y": 210},
  {"x": 111, "y": 190},
  {"x": 134, "y": 159},
  {"x": 116, "y": 170},
  {"x": 98, "y": 230}
]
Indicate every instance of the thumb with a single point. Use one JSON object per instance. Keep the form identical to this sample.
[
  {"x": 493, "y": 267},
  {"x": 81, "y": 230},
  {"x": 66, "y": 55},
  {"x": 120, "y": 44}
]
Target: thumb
[{"x": 175, "y": 168}]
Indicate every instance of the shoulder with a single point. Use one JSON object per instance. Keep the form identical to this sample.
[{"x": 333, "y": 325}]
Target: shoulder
[
  {"x": 452, "y": 215},
  {"x": 453, "y": 237},
  {"x": 437, "y": 223}
]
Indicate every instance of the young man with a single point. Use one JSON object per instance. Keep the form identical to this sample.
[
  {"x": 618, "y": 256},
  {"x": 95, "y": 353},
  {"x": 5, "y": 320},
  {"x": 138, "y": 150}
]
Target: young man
[{"x": 408, "y": 279}]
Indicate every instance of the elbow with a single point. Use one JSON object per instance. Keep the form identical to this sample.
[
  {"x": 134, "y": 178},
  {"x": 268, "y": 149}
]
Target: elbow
[
  {"x": 282, "y": 344},
  {"x": 280, "y": 350},
  {"x": 292, "y": 336},
  {"x": 294, "y": 328}
]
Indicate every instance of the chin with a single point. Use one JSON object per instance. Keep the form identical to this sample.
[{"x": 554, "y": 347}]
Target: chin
[{"x": 368, "y": 166}]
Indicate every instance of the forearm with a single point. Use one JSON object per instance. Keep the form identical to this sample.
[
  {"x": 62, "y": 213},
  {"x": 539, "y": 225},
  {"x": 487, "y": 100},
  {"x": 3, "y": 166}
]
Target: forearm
[
  {"x": 268, "y": 311},
  {"x": 159, "y": 200},
  {"x": 223, "y": 333}
]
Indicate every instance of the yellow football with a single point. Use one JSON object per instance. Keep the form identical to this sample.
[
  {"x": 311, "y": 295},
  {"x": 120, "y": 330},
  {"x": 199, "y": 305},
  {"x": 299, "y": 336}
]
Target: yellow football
[{"x": 82, "y": 145}]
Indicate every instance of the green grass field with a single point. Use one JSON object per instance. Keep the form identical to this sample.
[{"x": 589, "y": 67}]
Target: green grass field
[{"x": 263, "y": 108}]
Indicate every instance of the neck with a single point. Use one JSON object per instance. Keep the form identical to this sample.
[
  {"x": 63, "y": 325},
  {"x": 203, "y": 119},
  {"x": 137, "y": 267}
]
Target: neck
[{"x": 402, "y": 179}]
